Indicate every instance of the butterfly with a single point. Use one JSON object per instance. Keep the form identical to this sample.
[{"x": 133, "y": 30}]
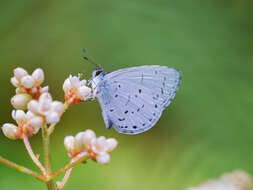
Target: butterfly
[{"x": 133, "y": 99}]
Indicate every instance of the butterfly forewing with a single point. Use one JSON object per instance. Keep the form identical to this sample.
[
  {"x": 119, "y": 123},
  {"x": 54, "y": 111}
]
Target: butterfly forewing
[{"x": 138, "y": 95}]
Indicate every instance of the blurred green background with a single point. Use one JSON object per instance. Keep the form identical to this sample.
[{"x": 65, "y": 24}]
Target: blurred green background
[{"x": 205, "y": 132}]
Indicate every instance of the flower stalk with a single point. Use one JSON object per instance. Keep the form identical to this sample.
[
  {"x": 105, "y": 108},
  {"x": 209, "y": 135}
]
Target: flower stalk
[
  {"x": 47, "y": 158},
  {"x": 32, "y": 155},
  {"x": 22, "y": 169}
]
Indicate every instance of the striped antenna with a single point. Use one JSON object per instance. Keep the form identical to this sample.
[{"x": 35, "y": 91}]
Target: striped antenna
[{"x": 90, "y": 59}]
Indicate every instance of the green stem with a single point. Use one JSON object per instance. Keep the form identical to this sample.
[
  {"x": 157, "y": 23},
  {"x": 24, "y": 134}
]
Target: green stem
[
  {"x": 22, "y": 169},
  {"x": 75, "y": 161},
  {"x": 47, "y": 158}
]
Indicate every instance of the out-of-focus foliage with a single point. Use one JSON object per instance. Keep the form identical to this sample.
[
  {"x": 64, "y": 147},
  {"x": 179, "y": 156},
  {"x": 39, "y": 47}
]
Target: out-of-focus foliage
[{"x": 206, "y": 131}]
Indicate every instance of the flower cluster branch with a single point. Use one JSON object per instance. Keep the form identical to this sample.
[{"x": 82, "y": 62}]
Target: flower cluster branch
[{"x": 35, "y": 109}]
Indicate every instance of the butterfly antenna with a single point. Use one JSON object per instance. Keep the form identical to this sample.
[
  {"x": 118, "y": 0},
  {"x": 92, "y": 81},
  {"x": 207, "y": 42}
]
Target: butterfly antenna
[{"x": 90, "y": 59}]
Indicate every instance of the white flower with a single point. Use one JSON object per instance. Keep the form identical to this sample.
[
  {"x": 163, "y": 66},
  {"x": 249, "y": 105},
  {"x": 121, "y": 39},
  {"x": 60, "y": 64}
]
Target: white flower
[
  {"x": 28, "y": 124},
  {"x": 76, "y": 90},
  {"x": 101, "y": 145},
  {"x": 86, "y": 141},
  {"x": 237, "y": 180},
  {"x": 79, "y": 143},
  {"x": 46, "y": 107},
  {"x": 20, "y": 101},
  {"x": 29, "y": 84}
]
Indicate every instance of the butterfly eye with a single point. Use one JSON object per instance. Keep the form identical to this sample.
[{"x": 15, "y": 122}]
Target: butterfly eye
[{"x": 98, "y": 72}]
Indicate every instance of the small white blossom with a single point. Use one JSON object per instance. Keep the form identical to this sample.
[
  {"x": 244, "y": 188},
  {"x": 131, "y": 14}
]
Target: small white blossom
[
  {"x": 20, "y": 101},
  {"x": 28, "y": 124},
  {"x": 76, "y": 90},
  {"x": 86, "y": 141},
  {"x": 29, "y": 84},
  {"x": 237, "y": 180},
  {"x": 46, "y": 107}
]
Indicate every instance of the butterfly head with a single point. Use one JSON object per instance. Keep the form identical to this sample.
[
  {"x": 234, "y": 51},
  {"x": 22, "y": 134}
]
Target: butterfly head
[
  {"x": 97, "y": 75},
  {"x": 98, "y": 72}
]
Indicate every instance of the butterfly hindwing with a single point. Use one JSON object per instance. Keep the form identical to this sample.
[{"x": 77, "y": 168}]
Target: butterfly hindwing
[{"x": 134, "y": 98}]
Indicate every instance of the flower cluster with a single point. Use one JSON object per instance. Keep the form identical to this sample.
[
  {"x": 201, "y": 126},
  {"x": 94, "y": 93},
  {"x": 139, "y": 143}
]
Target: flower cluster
[
  {"x": 27, "y": 87},
  {"x": 76, "y": 90},
  {"x": 28, "y": 124},
  {"x": 46, "y": 108},
  {"x": 237, "y": 180},
  {"x": 98, "y": 148},
  {"x": 30, "y": 95}
]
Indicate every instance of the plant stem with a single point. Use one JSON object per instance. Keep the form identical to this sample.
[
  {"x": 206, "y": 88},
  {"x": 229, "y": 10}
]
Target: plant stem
[
  {"x": 32, "y": 155},
  {"x": 22, "y": 169},
  {"x": 47, "y": 159},
  {"x": 64, "y": 180},
  {"x": 75, "y": 161}
]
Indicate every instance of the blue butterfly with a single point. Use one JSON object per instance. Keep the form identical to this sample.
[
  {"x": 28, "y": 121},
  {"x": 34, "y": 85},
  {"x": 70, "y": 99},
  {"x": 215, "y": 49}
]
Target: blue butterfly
[{"x": 133, "y": 99}]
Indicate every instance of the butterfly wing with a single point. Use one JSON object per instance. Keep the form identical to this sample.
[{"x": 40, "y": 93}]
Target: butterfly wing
[{"x": 133, "y": 99}]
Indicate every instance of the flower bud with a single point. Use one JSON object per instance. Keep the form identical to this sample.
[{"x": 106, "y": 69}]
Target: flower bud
[
  {"x": 44, "y": 89},
  {"x": 14, "y": 81},
  {"x": 36, "y": 122},
  {"x": 67, "y": 84},
  {"x": 103, "y": 158},
  {"x": 57, "y": 106},
  {"x": 19, "y": 73},
  {"x": 20, "y": 101},
  {"x": 53, "y": 117},
  {"x": 69, "y": 143},
  {"x": 33, "y": 106},
  {"x": 111, "y": 144},
  {"x": 84, "y": 92},
  {"x": 10, "y": 130},
  {"x": 27, "y": 81},
  {"x": 20, "y": 90},
  {"x": 38, "y": 75},
  {"x": 18, "y": 115},
  {"x": 83, "y": 139}
]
